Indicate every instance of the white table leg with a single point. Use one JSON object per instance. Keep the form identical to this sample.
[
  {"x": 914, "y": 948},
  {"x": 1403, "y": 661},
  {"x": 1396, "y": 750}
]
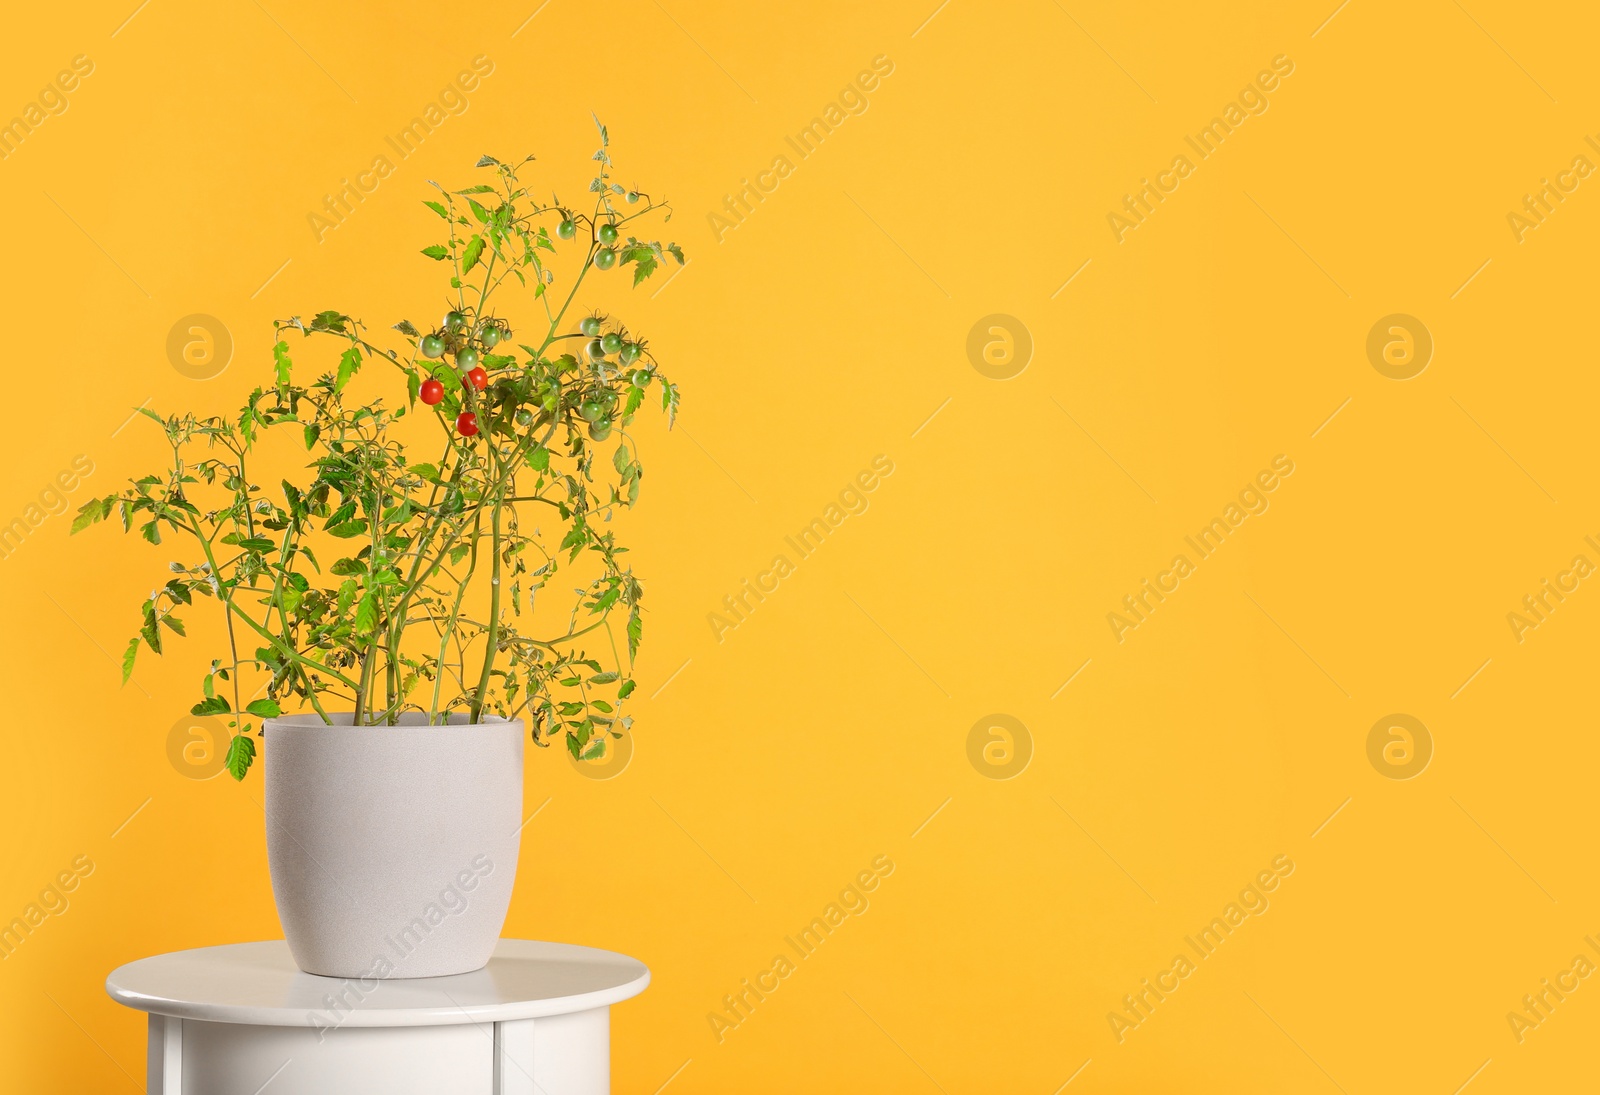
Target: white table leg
[
  {"x": 556, "y": 1055},
  {"x": 164, "y": 1056}
]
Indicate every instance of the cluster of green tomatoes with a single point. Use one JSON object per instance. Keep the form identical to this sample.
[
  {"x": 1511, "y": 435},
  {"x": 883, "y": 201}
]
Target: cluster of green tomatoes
[{"x": 606, "y": 257}]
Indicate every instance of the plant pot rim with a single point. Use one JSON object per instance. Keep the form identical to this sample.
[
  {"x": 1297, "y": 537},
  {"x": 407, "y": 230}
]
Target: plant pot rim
[{"x": 409, "y": 720}]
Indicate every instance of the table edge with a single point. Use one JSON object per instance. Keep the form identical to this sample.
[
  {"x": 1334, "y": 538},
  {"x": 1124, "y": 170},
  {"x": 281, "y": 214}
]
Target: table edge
[
  {"x": 248, "y": 1015},
  {"x": 449, "y": 1015}
]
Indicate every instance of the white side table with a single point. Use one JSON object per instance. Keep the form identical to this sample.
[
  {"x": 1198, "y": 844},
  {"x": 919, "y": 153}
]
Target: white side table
[{"x": 243, "y": 1020}]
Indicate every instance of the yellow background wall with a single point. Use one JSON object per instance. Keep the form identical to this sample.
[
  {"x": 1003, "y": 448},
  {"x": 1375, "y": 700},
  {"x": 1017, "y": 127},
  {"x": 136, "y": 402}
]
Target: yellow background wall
[{"x": 1170, "y": 763}]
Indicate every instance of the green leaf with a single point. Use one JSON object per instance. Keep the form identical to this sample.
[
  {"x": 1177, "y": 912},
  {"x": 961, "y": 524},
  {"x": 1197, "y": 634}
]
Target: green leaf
[
  {"x": 474, "y": 251},
  {"x": 280, "y": 358},
  {"x": 604, "y": 678},
  {"x": 436, "y": 251},
  {"x": 312, "y": 433},
  {"x": 540, "y": 459},
  {"x": 257, "y": 543},
  {"x": 128, "y": 656},
  {"x": 348, "y": 568},
  {"x": 349, "y": 362},
  {"x": 479, "y": 211},
  {"x": 572, "y": 746},
  {"x": 644, "y": 263},
  {"x": 367, "y": 613},
  {"x": 405, "y": 328},
  {"x": 212, "y": 705},
  {"x": 266, "y": 709},
  {"x": 620, "y": 460},
  {"x": 91, "y": 511},
  {"x": 347, "y": 529},
  {"x": 635, "y": 630},
  {"x": 241, "y": 752},
  {"x": 593, "y": 749},
  {"x": 626, "y": 689},
  {"x": 174, "y": 623},
  {"x": 437, "y": 208},
  {"x": 574, "y": 540}
]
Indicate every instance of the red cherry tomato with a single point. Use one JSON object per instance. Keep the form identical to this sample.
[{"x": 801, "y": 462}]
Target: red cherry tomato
[
  {"x": 479, "y": 378},
  {"x": 432, "y": 391},
  {"x": 467, "y": 424}
]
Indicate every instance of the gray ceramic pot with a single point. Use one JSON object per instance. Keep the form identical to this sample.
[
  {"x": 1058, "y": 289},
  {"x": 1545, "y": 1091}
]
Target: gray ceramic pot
[{"x": 392, "y": 848}]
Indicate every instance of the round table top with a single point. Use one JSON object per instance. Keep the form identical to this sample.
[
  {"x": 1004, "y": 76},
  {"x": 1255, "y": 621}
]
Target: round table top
[{"x": 258, "y": 984}]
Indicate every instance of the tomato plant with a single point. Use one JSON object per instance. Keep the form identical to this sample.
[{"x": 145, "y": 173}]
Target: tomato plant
[{"x": 379, "y": 581}]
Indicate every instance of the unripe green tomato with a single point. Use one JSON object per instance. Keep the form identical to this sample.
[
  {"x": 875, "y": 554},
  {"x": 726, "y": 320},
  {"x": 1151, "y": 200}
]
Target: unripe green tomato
[
  {"x": 432, "y": 345},
  {"x": 641, "y": 378},
  {"x": 567, "y": 229},
  {"x": 612, "y": 342},
  {"x": 630, "y": 352},
  {"x": 590, "y": 326},
  {"x": 591, "y": 410},
  {"x": 524, "y": 417},
  {"x": 608, "y": 234},
  {"x": 491, "y": 337},
  {"x": 467, "y": 358},
  {"x": 596, "y": 349},
  {"x": 600, "y": 430},
  {"x": 633, "y": 196},
  {"x": 605, "y": 258},
  {"x": 453, "y": 321}
]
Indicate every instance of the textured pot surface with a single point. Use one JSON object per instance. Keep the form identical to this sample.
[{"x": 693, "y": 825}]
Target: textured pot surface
[{"x": 392, "y": 848}]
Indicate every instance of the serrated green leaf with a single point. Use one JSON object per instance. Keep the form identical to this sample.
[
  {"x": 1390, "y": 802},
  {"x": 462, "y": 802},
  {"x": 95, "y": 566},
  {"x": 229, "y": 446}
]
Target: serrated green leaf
[
  {"x": 349, "y": 362},
  {"x": 281, "y": 362},
  {"x": 474, "y": 251},
  {"x": 436, "y": 251},
  {"x": 264, "y": 708},
  {"x": 88, "y": 513},
  {"x": 367, "y": 613},
  {"x": 437, "y": 208},
  {"x": 212, "y": 705},
  {"x": 241, "y": 753},
  {"x": 346, "y": 529},
  {"x": 128, "y": 657}
]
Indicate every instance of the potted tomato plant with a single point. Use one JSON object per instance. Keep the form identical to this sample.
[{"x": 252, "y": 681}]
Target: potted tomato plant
[{"x": 386, "y": 598}]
